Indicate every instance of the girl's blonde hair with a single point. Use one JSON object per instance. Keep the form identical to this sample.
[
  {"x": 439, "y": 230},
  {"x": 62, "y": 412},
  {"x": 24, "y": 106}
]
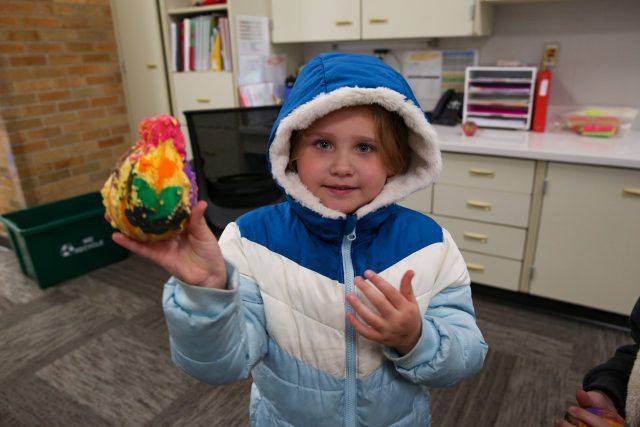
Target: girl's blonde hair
[{"x": 391, "y": 132}]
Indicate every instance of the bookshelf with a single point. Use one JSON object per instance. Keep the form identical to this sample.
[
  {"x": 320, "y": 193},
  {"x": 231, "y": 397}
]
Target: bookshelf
[
  {"x": 206, "y": 88},
  {"x": 499, "y": 97},
  {"x": 191, "y": 87}
]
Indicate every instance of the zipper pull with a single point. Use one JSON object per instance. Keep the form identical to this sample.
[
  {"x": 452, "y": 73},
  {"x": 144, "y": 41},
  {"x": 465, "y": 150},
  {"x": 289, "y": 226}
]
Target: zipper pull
[{"x": 352, "y": 236}]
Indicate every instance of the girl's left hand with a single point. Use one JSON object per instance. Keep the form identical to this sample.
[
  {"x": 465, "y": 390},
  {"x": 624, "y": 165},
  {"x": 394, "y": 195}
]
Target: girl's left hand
[{"x": 398, "y": 323}]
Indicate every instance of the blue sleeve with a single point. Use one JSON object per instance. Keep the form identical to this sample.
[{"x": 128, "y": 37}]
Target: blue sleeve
[
  {"x": 451, "y": 347},
  {"x": 216, "y": 335}
]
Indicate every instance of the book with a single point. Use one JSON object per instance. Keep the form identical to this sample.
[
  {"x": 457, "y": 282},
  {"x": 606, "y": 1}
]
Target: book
[
  {"x": 226, "y": 43},
  {"x": 174, "y": 46},
  {"x": 186, "y": 42},
  {"x": 216, "y": 50}
]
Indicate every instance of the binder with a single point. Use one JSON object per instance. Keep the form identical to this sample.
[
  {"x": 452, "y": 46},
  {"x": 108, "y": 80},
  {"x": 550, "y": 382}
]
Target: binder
[{"x": 541, "y": 104}]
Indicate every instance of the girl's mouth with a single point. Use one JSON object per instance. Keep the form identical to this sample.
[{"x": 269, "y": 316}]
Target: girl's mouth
[{"x": 339, "y": 189}]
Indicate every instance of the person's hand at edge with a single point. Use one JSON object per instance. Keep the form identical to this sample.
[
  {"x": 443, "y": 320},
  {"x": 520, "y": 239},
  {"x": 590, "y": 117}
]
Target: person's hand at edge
[{"x": 587, "y": 399}]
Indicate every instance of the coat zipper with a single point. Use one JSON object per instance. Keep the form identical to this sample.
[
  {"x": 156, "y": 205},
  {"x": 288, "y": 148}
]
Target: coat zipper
[{"x": 351, "y": 386}]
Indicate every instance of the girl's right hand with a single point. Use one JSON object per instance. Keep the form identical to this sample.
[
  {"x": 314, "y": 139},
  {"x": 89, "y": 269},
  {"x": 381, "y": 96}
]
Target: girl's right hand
[{"x": 193, "y": 257}]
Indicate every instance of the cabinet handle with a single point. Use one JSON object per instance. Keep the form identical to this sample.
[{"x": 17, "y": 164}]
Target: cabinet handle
[
  {"x": 378, "y": 20},
  {"x": 344, "y": 23},
  {"x": 478, "y": 204},
  {"x": 484, "y": 238},
  {"x": 203, "y": 100},
  {"x": 631, "y": 191},
  {"x": 489, "y": 173},
  {"x": 475, "y": 267},
  {"x": 152, "y": 66}
]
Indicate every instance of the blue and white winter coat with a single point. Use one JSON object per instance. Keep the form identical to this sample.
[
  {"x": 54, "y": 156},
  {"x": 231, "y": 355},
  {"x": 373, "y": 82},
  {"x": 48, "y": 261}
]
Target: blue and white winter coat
[{"x": 282, "y": 317}]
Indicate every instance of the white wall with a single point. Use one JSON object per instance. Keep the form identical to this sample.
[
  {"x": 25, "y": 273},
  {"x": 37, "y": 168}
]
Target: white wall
[{"x": 599, "y": 54}]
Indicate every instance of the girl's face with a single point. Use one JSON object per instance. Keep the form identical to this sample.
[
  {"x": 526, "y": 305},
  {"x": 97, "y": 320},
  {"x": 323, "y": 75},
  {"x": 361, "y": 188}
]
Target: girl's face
[{"x": 338, "y": 159}]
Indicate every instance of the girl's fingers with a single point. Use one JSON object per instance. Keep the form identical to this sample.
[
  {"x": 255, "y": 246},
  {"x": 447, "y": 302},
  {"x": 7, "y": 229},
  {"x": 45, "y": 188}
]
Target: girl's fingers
[
  {"x": 371, "y": 318},
  {"x": 363, "y": 329},
  {"x": 198, "y": 210},
  {"x": 196, "y": 221},
  {"x": 406, "y": 290},
  {"x": 197, "y": 227},
  {"x": 390, "y": 293},
  {"x": 378, "y": 300}
]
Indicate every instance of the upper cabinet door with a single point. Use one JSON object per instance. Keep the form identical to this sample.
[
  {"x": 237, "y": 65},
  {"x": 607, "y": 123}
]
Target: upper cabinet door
[
  {"x": 313, "y": 20},
  {"x": 384, "y": 19}
]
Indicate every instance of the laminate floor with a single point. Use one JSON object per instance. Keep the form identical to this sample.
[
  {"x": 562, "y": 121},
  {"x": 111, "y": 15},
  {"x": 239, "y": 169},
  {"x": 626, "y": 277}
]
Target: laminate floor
[{"x": 93, "y": 351}]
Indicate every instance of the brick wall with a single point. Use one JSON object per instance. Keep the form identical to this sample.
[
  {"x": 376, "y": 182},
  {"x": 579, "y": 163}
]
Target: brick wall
[{"x": 61, "y": 100}]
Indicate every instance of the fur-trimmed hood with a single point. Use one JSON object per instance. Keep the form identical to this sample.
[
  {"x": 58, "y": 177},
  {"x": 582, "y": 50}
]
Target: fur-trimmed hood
[{"x": 337, "y": 80}]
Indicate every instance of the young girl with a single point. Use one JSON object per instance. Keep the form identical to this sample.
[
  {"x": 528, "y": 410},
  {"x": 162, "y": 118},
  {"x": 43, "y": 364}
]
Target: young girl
[{"x": 343, "y": 306}]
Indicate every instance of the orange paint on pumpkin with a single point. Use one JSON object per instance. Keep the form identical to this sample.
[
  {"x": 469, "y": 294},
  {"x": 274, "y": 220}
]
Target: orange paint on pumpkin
[
  {"x": 144, "y": 164},
  {"x": 166, "y": 169}
]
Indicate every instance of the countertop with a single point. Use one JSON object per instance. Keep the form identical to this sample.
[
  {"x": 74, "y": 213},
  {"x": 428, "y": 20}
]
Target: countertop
[{"x": 618, "y": 151}]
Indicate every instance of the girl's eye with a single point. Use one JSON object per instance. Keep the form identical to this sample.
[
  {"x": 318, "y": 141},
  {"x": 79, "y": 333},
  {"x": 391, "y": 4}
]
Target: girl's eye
[
  {"x": 364, "y": 148},
  {"x": 323, "y": 144}
]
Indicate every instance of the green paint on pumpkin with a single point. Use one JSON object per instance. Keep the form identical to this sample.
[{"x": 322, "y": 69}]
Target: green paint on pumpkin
[{"x": 161, "y": 205}]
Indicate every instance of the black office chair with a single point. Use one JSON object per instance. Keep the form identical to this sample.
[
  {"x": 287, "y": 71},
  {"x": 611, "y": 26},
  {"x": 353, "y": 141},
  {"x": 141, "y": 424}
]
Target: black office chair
[{"x": 230, "y": 161}]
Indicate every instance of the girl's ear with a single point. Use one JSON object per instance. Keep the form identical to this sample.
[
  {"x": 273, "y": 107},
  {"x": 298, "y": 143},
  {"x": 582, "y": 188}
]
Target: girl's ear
[
  {"x": 389, "y": 176},
  {"x": 390, "y": 172}
]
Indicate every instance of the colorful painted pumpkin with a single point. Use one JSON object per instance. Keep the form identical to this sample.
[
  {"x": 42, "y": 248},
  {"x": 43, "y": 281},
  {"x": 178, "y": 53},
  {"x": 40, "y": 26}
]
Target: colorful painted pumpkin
[{"x": 150, "y": 193}]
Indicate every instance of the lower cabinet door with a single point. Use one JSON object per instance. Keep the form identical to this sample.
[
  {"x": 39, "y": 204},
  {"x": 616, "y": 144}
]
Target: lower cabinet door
[{"x": 588, "y": 248}]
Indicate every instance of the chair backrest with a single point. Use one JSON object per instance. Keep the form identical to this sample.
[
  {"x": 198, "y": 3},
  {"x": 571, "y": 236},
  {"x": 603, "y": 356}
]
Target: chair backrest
[{"x": 230, "y": 161}]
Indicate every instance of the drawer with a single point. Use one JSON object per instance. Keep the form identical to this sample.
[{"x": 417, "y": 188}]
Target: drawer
[
  {"x": 489, "y": 239},
  {"x": 494, "y": 173},
  {"x": 419, "y": 201},
  {"x": 482, "y": 205},
  {"x": 202, "y": 91},
  {"x": 493, "y": 271}
]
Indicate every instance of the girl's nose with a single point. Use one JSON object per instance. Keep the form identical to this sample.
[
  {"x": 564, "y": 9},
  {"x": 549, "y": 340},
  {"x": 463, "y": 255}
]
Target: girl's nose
[{"x": 341, "y": 165}]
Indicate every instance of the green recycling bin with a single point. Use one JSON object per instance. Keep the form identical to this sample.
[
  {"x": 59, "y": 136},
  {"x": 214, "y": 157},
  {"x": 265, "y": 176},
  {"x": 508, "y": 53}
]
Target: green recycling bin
[{"x": 64, "y": 239}]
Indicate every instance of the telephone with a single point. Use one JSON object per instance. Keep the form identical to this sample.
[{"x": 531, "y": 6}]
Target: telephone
[{"x": 448, "y": 110}]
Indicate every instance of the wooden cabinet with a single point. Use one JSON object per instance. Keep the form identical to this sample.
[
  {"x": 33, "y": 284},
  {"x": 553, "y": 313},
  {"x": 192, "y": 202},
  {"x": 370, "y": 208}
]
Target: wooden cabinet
[
  {"x": 419, "y": 201},
  {"x": 382, "y": 19},
  {"x": 142, "y": 60},
  {"x": 312, "y": 21},
  {"x": 589, "y": 240},
  {"x": 485, "y": 204},
  {"x": 334, "y": 20}
]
